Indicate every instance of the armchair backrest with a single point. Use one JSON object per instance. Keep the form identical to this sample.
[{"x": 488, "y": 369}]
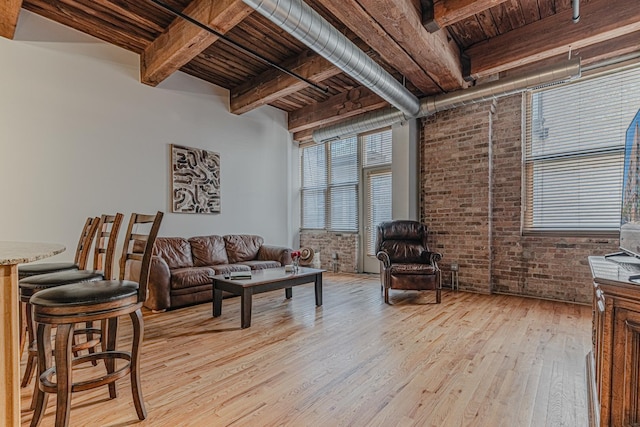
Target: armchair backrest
[{"x": 404, "y": 241}]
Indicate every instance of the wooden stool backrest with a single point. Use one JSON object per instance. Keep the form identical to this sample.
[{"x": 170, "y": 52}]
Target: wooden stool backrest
[
  {"x": 84, "y": 243},
  {"x": 105, "y": 247},
  {"x": 138, "y": 250}
]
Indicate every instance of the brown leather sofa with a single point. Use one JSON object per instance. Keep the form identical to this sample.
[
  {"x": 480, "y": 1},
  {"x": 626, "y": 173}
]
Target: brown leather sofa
[{"x": 181, "y": 269}]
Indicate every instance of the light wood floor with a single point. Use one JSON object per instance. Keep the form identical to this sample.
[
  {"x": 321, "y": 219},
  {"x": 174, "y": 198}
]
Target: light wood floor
[{"x": 474, "y": 360}]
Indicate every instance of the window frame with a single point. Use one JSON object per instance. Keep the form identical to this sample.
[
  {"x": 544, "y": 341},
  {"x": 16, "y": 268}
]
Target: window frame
[
  {"x": 527, "y": 226},
  {"x": 331, "y": 188}
]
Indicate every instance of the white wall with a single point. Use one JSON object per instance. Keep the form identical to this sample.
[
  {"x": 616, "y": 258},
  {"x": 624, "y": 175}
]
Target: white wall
[
  {"x": 404, "y": 170},
  {"x": 80, "y": 136}
]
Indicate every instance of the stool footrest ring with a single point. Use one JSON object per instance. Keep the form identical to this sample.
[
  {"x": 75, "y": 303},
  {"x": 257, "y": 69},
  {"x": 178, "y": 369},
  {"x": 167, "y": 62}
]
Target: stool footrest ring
[{"x": 49, "y": 386}]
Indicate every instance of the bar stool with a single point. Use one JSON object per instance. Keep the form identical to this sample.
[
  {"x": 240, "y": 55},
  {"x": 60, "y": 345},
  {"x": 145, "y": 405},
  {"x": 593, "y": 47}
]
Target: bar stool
[
  {"x": 79, "y": 260},
  {"x": 64, "y": 306},
  {"x": 108, "y": 227},
  {"x": 79, "y": 263}
]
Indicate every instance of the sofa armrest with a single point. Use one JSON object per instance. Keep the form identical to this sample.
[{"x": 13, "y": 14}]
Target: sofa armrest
[
  {"x": 275, "y": 253},
  {"x": 384, "y": 257},
  {"x": 159, "y": 288}
]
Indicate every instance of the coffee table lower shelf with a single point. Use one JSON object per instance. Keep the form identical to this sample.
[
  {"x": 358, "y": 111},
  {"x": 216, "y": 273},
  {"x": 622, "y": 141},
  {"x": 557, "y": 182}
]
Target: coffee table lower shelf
[{"x": 263, "y": 281}]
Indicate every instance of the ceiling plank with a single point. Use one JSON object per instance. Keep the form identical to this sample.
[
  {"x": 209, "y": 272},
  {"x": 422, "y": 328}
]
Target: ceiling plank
[
  {"x": 133, "y": 15},
  {"x": 600, "y": 20},
  {"x": 441, "y": 13},
  {"x": 273, "y": 84},
  {"x": 89, "y": 21},
  {"x": 501, "y": 19},
  {"x": 182, "y": 40},
  {"x": 530, "y": 10},
  {"x": 368, "y": 29},
  {"x": 339, "y": 107},
  {"x": 9, "y": 12},
  {"x": 485, "y": 19},
  {"x": 434, "y": 53}
]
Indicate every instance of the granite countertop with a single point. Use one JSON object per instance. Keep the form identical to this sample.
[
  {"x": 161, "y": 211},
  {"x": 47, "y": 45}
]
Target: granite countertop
[{"x": 22, "y": 252}]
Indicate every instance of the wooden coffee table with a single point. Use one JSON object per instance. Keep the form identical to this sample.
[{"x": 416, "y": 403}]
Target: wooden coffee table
[{"x": 266, "y": 280}]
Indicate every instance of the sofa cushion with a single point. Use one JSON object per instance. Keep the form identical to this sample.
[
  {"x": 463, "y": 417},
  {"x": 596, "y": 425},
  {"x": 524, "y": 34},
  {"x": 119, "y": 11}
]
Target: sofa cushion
[
  {"x": 208, "y": 250},
  {"x": 176, "y": 251},
  {"x": 189, "y": 277},
  {"x": 242, "y": 247},
  {"x": 261, "y": 265}
]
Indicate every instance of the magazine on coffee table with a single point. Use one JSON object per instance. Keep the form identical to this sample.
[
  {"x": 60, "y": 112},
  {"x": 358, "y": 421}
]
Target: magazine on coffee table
[{"x": 240, "y": 275}]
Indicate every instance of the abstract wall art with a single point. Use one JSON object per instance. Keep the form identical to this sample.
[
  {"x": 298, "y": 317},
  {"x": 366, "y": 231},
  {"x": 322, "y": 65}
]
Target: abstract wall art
[{"x": 195, "y": 180}]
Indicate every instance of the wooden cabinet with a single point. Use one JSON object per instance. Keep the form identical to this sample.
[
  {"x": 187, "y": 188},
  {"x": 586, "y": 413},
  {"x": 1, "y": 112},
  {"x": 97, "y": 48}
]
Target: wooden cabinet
[{"x": 613, "y": 366}]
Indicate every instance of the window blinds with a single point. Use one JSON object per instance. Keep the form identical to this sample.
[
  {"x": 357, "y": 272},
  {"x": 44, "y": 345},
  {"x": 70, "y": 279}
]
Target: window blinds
[
  {"x": 314, "y": 186},
  {"x": 377, "y": 148},
  {"x": 379, "y": 193},
  {"x": 574, "y": 149},
  {"x": 377, "y": 163},
  {"x": 343, "y": 188},
  {"x": 331, "y": 179},
  {"x": 330, "y": 186}
]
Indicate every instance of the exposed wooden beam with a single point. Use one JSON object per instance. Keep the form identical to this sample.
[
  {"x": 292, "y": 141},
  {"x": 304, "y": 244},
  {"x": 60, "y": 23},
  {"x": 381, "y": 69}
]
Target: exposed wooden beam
[
  {"x": 402, "y": 23},
  {"x": 600, "y": 20},
  {"x": 9, "y": 12},
  {"x": 339, "y": 107},
  {"x": 352, "y": 14},
  {"x": 303, "y": 136},
  {"x": 440, "y": 13},
  {"x": 182, "y": 41},
  {"x": 614, "y": 48},
  {"x": 273, "y": 84}
]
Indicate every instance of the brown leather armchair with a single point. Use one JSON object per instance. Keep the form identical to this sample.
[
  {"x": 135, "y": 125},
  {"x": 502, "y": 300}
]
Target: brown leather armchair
[{"x": 406, "y": 262}]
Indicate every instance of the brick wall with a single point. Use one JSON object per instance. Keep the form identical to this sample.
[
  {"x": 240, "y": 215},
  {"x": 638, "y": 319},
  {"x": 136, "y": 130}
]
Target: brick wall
[
  {"x": 454, "y": 191},
  {"x": 344, "y": 244},
  {"x": 459, "y": 190}
]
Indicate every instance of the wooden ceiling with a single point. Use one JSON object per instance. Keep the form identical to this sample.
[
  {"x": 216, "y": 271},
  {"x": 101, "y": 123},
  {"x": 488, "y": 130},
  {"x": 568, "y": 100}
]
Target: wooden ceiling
[{"x": 432, "y": 46}]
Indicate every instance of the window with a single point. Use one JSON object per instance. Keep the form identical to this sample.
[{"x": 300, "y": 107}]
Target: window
[
  {"x": 314, "y": 186},
  {"x": 379, "y": 194},
  {"x": 330, "y": 186},
  {"x": 343, "y": 188},
  {"x": 377, "y": 165},
  {"x": 574, "y": 149},
  {"x": 377, "y": 148},
  {"x": 331, "y": 179}
]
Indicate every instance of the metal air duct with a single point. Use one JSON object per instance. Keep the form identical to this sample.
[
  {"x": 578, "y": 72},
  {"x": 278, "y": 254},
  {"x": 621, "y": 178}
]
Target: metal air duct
[
  {"x": 306, "y": 25},
  {"x": 552, "y": 74}
]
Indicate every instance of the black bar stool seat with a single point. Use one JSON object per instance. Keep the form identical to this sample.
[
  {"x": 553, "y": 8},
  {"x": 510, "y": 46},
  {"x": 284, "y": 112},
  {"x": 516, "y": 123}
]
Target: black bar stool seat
[
  {"x": 79, "y": 260},
  {"x": 59, "y": 278},
  {"x": 67, "y": 298},
  {"x": 29, "y": 270}
]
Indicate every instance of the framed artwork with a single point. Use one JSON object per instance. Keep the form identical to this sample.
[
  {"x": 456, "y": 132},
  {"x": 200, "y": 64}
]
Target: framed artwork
[{"x": 195, "y": 180}]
